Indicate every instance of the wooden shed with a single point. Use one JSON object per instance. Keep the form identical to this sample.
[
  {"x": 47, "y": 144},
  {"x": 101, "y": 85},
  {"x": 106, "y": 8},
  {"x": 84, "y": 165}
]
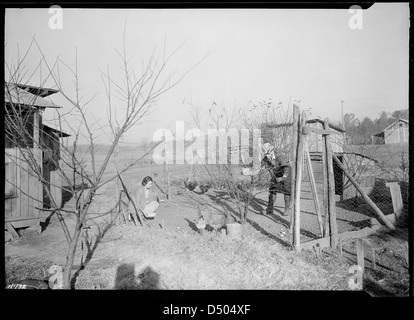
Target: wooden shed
[
  {"x": 396, "y": 132},
  {"x": 37, "y": 149}
]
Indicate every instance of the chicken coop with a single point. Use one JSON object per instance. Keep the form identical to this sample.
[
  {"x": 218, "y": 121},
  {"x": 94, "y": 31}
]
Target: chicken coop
[{"x": 360, "y": 166}]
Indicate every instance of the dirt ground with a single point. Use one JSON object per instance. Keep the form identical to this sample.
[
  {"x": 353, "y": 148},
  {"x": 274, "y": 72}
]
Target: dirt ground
[{"x": 180, "y": 214}]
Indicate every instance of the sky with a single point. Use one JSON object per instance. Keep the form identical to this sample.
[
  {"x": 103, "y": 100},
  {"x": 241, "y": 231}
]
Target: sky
[{"x": 234, "y": 56}]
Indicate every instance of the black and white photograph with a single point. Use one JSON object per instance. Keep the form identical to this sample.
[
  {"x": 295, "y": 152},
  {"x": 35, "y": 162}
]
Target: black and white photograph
[{"x": 208, "y": 149}]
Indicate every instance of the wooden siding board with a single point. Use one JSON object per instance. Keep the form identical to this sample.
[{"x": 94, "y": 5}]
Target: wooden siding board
[
  {"x": 8, "y": 208},
  {"x": 8, "y": 189},
  {"x": 24, "y": 186},
  {"x": 57, "y": 188},
  {"x": 18, "y": 181},
  {"x": 32, "y": 193}
]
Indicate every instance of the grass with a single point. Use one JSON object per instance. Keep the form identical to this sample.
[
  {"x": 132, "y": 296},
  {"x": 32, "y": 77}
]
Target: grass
[
  {"x": 175, "y": 259},
  {"x": 164, "y": 259},
  {"x": 19, "y": 268}
]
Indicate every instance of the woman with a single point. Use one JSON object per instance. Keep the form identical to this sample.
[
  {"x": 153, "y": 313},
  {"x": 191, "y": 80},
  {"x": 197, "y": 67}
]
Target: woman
[
  {"x": 280, "y": 172},
  {"x": 147, "y": 200}
]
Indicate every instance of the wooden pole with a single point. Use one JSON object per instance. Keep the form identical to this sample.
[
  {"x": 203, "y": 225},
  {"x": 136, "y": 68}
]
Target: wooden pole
[
  {"x": 360, "y": 253},
  {"x": 364, "y": 195},
  {"x": 325, "y": 187},
  {"x": 331, "y": 190},
  {"x": 313, "y": 186},
  {"x": 293, "y": 167},
  {"x": 298, "y": 182},
  {"x": 396, "y": 198},
  {"x": 137, "y": 211}
]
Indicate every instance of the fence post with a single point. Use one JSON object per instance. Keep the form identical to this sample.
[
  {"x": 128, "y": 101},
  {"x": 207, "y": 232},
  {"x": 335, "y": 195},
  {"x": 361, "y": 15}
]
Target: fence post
[
  {"x": 293, "y": 168},
  {"x": 360, "y": 253},
  {"x": 331, "y": 188},
  {"x": 397, "y": 203},
  {"x": 325, "y": 188}
]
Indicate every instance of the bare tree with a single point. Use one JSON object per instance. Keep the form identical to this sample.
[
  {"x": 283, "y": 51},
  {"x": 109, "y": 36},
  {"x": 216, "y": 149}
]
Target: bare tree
[
  {"x": 82, "y": 172},
  {"x": 243, "y": 181}
]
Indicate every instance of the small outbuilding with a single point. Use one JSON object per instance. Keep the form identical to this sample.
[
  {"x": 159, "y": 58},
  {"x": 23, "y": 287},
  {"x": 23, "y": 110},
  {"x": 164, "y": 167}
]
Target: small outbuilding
[
  {"x": 396, "y": 132},
  {"x": 37, "y": 150}
]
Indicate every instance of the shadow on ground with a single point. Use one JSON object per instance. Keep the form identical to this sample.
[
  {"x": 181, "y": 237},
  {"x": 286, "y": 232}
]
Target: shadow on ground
[
  {"x": 91, "y": 246},
  {"x": 125, "y": 279}
]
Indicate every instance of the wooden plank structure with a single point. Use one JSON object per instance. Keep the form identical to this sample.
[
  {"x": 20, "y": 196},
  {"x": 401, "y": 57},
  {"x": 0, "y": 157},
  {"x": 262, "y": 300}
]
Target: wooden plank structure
[
  {"x": 27, "y": 161},
  {"x": 331, "y": 213},
  {"x": 313, "y": 187},
  {"x": 300, "y": 152},
  {"x": 329, "y": 229}
]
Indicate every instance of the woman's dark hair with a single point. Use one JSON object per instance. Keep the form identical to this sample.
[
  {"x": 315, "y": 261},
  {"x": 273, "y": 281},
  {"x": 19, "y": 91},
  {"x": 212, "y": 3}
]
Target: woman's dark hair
[{"x": 146, "y": 180}]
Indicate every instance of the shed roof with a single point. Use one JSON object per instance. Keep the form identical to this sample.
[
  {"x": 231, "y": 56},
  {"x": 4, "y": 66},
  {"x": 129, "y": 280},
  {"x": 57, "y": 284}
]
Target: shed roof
[
  {"x": 287, "y": 124},
  {"x": 14, "y": 94},
  {"x": 382, "y": 132},
  {"x": 61, "y": 134},
  {"x": 37, "y": 91}
]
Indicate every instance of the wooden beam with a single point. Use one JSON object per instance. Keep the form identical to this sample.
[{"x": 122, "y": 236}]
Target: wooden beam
[
  {"x": 11, "y": 230},
  {"x": 325, "y": 242},
  {"x": 298, "y": 182},
  {"x": 293, "y": 167},
  {"x": 308, "y": 130},
  {"x": 138, "y": 216},
  {"x": 406, "y": 253},
  {"x": 340, "y": 245},
  {"x": 325, "y": 189},
  {"x": 313, "y": 186},
  {"x": 331, "y": 190},
  {"x": 358, "y": 233},
  {"x": 390, "y": 218},
  {"x": 11, "y": 219},
  {"x": 360, "y": 253},
  {"x": 322, "y": 242},
  {"x": 396, "y": 197},
  {"x": 364, "y": 195},
  {"x": 374, "y": 263}
]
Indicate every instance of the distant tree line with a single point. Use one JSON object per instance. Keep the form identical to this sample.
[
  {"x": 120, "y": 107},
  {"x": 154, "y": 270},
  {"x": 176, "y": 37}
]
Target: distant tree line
[{"x": 360, "y": 131}]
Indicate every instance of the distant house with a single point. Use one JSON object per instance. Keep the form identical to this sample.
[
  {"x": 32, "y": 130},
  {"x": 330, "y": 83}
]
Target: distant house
[
  {"x": 24, "y": 192},
  {"x": 396, "y": 132}
]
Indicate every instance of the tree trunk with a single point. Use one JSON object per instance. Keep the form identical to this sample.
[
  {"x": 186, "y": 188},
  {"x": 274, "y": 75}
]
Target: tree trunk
[
  {"x": 71, "y": 256},
  {"x": 246, "y": 208}
]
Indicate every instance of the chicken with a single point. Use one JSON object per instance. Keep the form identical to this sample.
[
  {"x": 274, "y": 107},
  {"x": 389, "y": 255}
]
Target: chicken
[
  {"x": 213, "y": 220},
  {"x": 204, "y": 187},
  {"x": 190, "y": 185}
]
